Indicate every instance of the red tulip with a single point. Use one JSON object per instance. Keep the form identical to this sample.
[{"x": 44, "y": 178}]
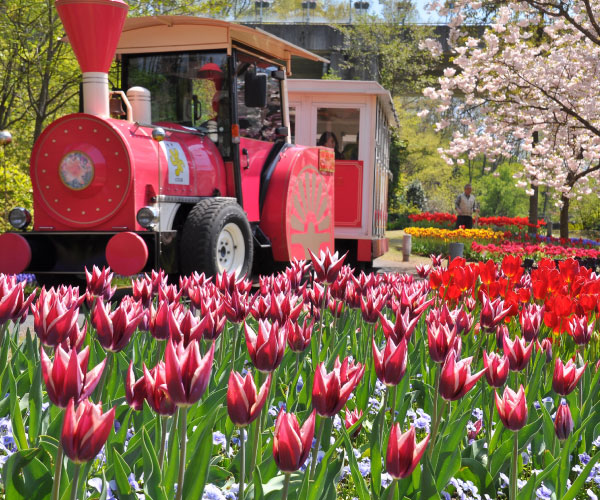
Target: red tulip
[
  {"x": 517, "y": 352},
  {"x": 187, "y": 373},
  {"x": 160, "y": 320},
  {"x": 158, "y": 280},
  {"x": 291, "y": 444},
  {"x": 566, "y": 376},
  {"x": 156, "y": 390},
  {"x": 496, "y": 368},
  {"x": 237, "y": 306},
  {"x": 512, "y": 408},
  {"x": 268, "y": 347},
  {"x": 493, "y": 312},
  {"x": 75, "y": 338},
  {"x": 351, "y": 418},
  {"x": 142, "y": 291},
  {"x": 371, "y": 305},
  {"x": 563, "y": 421},
  {"x": 67, "y": 377},
  {"x": 115, "y": 328},
  {"x": 55, "y": 315},
  {"x": 441, "y": 339},
  {"x": 98, "y": 284},
  {"x": 298, "y": 336},
  {"x": 531, "y": 320},
  {"x": 331, "y": 390},
  {"x": 135, "y": 390},
  {"x": 243, "y": 402},
  {"x": 581, "y": 330},
  {"x": 403, "y": 452},
  {"x": 390, "y": 363},
  {"x": 327, "y": 266},
  {"x": 13, "y": 305},
  {"x": 401, "y": 328},
  {"x": 227, "y": 283},
  {"x": 85, "y": 431},
  {"x": 211, "y": 326},
  {"x": 455, "y": 378},
  {"x": 169, "y": 293},
  {"x": 335, "y": 307}
]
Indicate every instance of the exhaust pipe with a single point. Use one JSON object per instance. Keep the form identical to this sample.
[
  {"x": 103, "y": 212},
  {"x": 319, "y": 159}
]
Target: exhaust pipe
[{"x": 93, "y": 28}]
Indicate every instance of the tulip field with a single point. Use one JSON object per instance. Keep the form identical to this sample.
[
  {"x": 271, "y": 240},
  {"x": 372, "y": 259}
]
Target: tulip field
[{"x": 478, "y": 381}]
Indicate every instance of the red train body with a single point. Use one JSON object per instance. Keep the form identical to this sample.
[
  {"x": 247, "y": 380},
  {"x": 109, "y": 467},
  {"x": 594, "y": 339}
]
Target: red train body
[{"x": 199, "y": 174}]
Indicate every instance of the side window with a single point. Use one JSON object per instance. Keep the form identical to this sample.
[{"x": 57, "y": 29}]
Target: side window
[
  {"x": 337, "y": 128},
  {"x": 258, "y": 123}
]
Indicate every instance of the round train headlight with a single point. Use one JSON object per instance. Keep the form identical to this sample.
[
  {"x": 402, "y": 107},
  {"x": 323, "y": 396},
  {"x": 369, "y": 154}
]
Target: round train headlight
[
  {"x": 147, "y": 217},
  {"x": 19, "y": 218}
]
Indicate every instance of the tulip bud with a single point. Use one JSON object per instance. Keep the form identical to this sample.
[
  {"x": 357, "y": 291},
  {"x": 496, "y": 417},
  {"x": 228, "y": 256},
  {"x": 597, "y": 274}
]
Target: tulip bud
[
  {"x": 546, "y": 347},
  {"x": 512, "y": 408},
  {"x": 298, "y": 336},
  {"x": 327, "y": 266},
  {"x": 441, "y": 339},
  {"x": 187, "y": 373},
  {"x": 55, "y": 316},
  {"x": 266, "y": 349},
  {"x": 403, "y": 452},
  {"x": 351, "y": 418},
  {"x": 496, "y": 368},
  {"x": 563, "y": 421},
  {"x": 331, "y": 390},
  {"x": 492, "y": 312},
  {"x": 13, "y": 305},
  {"x": 518, "y": 354},
  {"x": 135, "y": 391},
  {"x": 566, "y": 376},
  {"x": 243, "y": 403},
  {"x": 157, "y": 395},
  {"x": 581, "y": 330},
  {"x": 390, "y": 364},
  {"x": 98, "y": 284},
  {"x": 291, "y": 444},
  {"x": 501, "y": 332},
  {"x": 531, "y": 320},
  {"x": 115, "y": 328},
  {"x": 85, "y": 430},
  {"x": 455, "y": 377}
]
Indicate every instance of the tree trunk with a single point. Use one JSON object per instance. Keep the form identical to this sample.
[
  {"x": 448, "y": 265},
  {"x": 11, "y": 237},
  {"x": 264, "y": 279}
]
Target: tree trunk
[
  {"x": 564, "y": 217},
  {"x": 533, "y": 210}
]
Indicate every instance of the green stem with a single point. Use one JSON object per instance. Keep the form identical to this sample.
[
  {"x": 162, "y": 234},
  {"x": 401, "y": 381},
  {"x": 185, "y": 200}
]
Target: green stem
[
  {"x": 182, "y": 449},
  {"x": 490, "y": 422},
  {"x": 513, "y": 467},
  {"x": 257, "y": 428},
  {"x": 297, "y": 364},
  {"x": 98, "y": 394},
  {"x": 382, "y": 412},
  {"x": 313, "y": 465},
  {"x": 243, "y": 464},
  {"x": 479, "y": 344},
  {"x": 235, "y": 345},
  {"x": 393, "y": 407},
  {"x": 57, "y": 471},
  {"x": 75, "y": 484},
  {"x": 163, "y": 440},
  {"x": 286, "y": 487},
  {"x": 436, "y": 418},
  {"x": 392, "y": 490}
]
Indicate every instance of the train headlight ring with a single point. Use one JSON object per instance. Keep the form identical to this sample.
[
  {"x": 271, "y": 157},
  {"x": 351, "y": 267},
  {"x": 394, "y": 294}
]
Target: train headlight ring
[
  {"x": 76, "y": 170},
  {"x": 19, "y": 217},
  {"x": 147, "y": 217}
]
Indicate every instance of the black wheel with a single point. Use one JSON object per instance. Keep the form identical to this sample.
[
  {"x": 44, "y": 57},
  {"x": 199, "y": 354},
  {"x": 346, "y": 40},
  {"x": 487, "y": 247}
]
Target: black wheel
[{"x": 216, "y": 237}]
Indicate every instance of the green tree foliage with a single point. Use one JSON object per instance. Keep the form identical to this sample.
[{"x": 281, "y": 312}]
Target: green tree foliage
[
  {"x": 498, "y": 195},
  {"x": 415, "y": 195},
  {"x": 386, "y": 48}
]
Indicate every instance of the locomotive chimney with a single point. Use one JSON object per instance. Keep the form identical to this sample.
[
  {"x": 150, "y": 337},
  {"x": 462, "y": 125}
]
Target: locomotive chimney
[{"x": 93, "y": 28}]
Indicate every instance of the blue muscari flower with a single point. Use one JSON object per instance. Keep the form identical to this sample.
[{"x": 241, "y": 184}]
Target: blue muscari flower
[
  {"x": 584, "y": 458},
  {"x": 274, "y": 410},
  {"x": 337, "y": 423},
  {"x": 386, "y": 479},
  {"x": 477, "y": 413},
  {"x": 374, "y": 405},
  {"x": 299, "y": 384}
]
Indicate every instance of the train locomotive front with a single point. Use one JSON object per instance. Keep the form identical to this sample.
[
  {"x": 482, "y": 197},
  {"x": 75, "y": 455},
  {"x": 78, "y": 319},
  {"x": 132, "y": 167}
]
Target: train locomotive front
[{"x": 195, "y": 176}]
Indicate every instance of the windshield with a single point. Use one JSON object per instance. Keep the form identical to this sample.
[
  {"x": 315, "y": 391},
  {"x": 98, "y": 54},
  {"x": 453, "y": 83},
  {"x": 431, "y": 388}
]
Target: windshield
[{"x": 187, "y": 88}]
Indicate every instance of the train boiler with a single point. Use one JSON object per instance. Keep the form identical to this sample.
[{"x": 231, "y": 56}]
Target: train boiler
[{"x": 185, "y": 165}]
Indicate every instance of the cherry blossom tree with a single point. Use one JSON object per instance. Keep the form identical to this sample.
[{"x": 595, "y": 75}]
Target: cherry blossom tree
[{"x": 532, "y": 79}]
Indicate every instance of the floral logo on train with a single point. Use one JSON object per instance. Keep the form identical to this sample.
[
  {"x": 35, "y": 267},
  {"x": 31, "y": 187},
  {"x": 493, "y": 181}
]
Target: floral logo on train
[{"x": 76, "y": 170}]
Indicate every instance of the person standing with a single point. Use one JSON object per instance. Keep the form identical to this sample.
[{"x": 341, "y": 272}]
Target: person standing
[{"x": 466, "y": 205}]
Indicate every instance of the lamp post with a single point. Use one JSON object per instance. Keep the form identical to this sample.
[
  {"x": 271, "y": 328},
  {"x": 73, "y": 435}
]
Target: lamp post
[
  {"x": 5, "y": 140},
  {"x": 259, "y": 5},
  {"x": 308, "y": 6}
]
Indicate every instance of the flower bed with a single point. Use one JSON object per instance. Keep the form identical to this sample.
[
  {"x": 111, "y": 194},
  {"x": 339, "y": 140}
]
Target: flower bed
[
  {"x": 430, "y": 240},
  {"x": 448, "y": 221},
  {"x": 479, "y": 382}
]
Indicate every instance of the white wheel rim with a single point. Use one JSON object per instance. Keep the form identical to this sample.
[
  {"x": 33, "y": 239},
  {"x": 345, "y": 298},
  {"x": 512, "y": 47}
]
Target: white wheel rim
[{"x": 231, "y": 249}]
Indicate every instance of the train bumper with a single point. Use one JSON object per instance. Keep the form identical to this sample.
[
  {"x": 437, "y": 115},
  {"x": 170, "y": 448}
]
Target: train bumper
[
  {"x": 370, "y": 249},
  {"x": 44, "y": 252}
]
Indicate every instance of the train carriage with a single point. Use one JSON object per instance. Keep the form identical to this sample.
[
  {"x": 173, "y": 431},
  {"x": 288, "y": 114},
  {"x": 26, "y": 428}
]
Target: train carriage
[{"x": 188, "y": 163}]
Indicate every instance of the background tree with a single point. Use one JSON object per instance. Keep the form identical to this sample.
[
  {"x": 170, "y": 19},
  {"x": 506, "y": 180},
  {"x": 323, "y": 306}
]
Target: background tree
[{"x": 533, "y": 79}]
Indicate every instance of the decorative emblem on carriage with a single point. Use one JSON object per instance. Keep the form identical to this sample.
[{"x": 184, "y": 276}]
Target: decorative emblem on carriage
[{"x": 76, "y": 170}]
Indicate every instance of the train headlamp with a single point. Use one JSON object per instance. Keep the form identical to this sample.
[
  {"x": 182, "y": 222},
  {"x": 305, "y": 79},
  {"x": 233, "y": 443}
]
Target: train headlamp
[
  {"x": 147, "y": 217},
  {"x": 19, "y": 218}
]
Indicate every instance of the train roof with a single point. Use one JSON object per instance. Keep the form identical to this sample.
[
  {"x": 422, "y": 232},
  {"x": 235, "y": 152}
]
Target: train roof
[
  {"x": 337, "y": 87},
  {"x": 185, "y": 33}
]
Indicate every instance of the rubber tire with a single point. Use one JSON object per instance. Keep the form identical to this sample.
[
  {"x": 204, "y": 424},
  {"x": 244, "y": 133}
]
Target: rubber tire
[{"x": 204, "y": 223}]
